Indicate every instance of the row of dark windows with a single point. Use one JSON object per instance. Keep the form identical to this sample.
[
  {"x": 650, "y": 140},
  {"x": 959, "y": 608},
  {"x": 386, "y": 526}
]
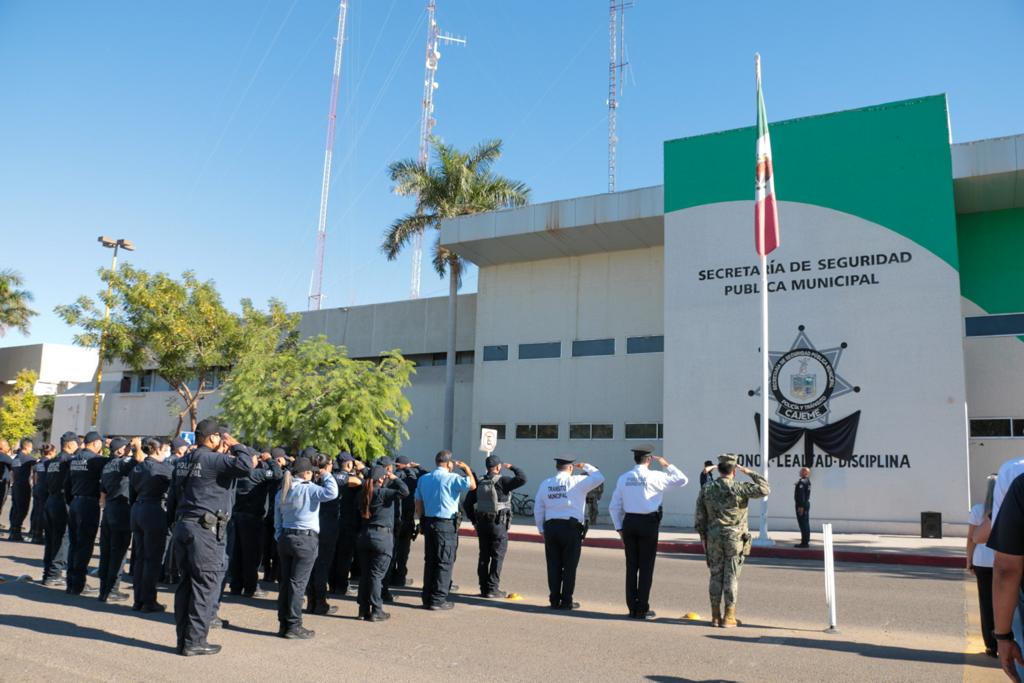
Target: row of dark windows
[
  {"x": 577, "y": 430},
  {"x": 145, "y": 382},
  {"x": 580, "y": 348},
  {"x": 1000, "y": 325},
  {"x": 998, "y": 427}
]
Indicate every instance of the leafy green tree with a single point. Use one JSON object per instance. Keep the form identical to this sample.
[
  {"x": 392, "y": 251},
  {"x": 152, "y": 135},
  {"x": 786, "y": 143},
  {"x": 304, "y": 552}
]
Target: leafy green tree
[
  {"x": 310, "y": 393},
  {"x": 14, "y": 309},
  {"x": 180, "y": 329},
  {"x": 18, "y": 408},
  {"x": 459, "y": 183}
]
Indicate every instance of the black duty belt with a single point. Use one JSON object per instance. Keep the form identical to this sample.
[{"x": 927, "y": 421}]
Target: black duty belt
[
  {"x": 440, "y": 519},
  {"x": 642, "y": 514},
  {"x": 299, "y": 532}
]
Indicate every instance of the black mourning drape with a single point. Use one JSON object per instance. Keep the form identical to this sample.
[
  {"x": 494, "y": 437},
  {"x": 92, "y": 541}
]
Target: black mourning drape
[{"x": 836, "y": 439}]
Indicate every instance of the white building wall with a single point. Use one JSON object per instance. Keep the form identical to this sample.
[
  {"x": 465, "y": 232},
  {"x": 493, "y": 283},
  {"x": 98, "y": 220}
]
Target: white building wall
[{"x": 610, "y": 295}]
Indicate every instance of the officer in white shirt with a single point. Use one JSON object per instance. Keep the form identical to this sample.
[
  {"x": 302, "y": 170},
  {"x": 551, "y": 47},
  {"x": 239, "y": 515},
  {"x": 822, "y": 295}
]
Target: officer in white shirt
[
  {"x": 559, "y": 513},
  {"x": 636, "y": 514}
]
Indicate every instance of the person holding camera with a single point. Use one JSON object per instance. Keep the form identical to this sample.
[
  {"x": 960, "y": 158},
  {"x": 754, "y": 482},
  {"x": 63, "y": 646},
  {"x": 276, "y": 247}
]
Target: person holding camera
[
  {"x": 203, "y": 486},
  {"x": 378, "y": 497},
  {"x": 297, "y": 526},
  {"x": 437, "y": 505}
]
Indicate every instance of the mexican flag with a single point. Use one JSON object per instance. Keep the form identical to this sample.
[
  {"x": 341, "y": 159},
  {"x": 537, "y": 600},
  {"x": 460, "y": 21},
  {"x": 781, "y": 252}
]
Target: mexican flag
[{"x": 766, "y": 215}]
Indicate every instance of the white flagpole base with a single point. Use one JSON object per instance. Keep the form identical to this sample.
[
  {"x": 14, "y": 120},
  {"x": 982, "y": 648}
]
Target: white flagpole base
[{"x": 763, "y": 540}]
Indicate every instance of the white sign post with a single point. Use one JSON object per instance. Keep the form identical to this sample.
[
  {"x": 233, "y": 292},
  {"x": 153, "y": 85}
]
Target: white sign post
[
  {"x": 488, "y": 440},
  {"x": 830, "y": 579}
]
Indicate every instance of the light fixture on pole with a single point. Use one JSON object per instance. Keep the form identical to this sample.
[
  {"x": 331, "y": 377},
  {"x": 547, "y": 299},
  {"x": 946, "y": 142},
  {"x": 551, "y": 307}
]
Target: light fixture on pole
[{"x": 109, "y": 243}]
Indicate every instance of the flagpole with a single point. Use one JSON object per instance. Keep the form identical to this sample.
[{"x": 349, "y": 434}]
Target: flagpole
[{"x": 763, "y": 538}]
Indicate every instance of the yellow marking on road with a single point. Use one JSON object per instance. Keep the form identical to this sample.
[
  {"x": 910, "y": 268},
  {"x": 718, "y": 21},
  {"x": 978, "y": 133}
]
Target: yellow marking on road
[{"x": 978, "y": 667}]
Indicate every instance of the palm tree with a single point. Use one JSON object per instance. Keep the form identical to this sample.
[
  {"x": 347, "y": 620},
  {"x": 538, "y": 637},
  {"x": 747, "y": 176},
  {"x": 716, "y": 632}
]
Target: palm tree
[
  {"x": 14, "y": 310},
  {"x": 459, "y": 183}
]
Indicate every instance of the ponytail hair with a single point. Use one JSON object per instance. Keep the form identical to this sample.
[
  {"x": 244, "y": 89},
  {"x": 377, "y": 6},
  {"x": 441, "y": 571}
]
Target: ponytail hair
[{"x": 376, "y": 474}]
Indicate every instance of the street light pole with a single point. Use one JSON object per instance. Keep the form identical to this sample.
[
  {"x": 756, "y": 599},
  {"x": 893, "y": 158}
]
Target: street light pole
[{"x": 115, "y": 245}]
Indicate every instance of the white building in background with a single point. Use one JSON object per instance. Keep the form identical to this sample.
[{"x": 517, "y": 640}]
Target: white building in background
[
  {"x": 58, "y": 366},
  {"x": 593, "y": 331}
]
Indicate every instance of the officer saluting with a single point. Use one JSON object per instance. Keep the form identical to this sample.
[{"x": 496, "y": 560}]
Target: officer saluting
[
  {"x": 203, "y": 483},
  {"x": 83, "y": 487},
  {"x": 489, "y": 508},
  {"x": 559, "y": 513},
  {"x": 636, "y": 514},
  {"x": 721, "y": 521}
]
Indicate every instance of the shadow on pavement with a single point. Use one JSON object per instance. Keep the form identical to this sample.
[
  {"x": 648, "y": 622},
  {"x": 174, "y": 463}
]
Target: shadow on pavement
[
  {"x": 29, "y": 561},
  {"x": 905, "y": 654},
  {"x": 895, "y": 571},
  {"x": 677, "y": 679},
  {"x": 33, "y": 592},
  {"x": 43, "y": 625},
  {"x": 537, "y": 609}
]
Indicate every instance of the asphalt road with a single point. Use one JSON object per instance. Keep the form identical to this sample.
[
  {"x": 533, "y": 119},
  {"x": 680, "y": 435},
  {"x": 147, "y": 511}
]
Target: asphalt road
[{"x": 895, "y": 624}]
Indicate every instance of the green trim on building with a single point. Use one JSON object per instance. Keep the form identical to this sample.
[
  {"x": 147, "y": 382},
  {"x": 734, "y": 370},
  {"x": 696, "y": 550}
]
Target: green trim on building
[
  {"x": 992, "y": 259},
  {"x": 889, "y": 164}
]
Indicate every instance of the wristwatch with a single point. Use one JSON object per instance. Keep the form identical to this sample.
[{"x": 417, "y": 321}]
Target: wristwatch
[{"x": 1003, "y": 636}]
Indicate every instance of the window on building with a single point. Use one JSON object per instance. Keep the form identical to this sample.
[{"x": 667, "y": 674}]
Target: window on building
[
  {"x": 649, "y": 344},
  {"x": 146, "y": 381},
  {"x": 593, "y": 347},
  {"x": 541, "y": 350},
  {"x": 1005, "y": 325},
  {"x": 498, "y": 428},
  {"x": 126, "y": 383},
  {"x": 464, "y": 357},
  {"x": 547, "y": 431},
  {"x": 496, "y": 352},
  {"x": 643, "y": 430},
  {"x": 439, "y": 358},
  {"x": 1018, "y": 428},
  {"x": 526, "y": 431},
  {"x": 991, "y": 427},
  {"x": 590, "y": 431}
]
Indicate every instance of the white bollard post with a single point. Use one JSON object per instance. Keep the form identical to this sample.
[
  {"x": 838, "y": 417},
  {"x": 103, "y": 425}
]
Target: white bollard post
[{"x": 830, "y": 579}]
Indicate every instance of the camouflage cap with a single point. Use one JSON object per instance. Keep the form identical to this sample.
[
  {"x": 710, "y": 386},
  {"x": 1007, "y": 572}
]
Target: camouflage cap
[{"x": 727, "y": 459}]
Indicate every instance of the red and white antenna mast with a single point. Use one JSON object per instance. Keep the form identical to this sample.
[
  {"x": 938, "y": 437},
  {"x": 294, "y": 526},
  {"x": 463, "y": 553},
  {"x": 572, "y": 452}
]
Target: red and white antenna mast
[
  {"x": 616, "y": 52},
  {"x": 316, "y": 285},
  {"x": 427, "y": 121}
]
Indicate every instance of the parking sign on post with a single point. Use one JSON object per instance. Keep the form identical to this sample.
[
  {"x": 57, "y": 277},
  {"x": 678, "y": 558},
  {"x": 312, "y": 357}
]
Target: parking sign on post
[{"x": 488, "y": 440}]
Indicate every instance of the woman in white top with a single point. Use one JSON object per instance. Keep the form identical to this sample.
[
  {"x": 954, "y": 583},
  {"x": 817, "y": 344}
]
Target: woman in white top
[{"x": 979, "y": 562}]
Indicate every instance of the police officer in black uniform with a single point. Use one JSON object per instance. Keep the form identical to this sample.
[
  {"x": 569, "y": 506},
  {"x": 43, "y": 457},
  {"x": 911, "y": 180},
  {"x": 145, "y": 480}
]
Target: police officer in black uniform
[
  {"x": 405, "y": 523},
  {"x": 203, "y": 481},
  {"x": 802, "y": 499},
  {"x": 21, "y": 488},
  {"x": 55, "y": 554},
  {"x": 378, "y": 496},
  {"x": 37, "y": 520},
  {"x": 489, "y": 508},
  {"x": 268, "y": 546},
  {"x": 348, "y": 525},
  {"x": 83, "y": 487},
  {"x": 248, "y": 515},
  {"x": 330, "y": 529},
  {"x": 149, "y": 482},
  {"x": 116, "y": 524}
]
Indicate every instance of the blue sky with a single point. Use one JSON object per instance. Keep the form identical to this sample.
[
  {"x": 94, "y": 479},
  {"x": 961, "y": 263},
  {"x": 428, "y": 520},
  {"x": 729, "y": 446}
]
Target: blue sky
[{"x": 197, "y": 128}]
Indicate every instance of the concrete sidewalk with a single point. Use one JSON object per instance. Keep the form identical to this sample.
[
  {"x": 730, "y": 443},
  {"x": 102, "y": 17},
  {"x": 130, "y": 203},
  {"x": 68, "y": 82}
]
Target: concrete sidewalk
[{"x": 871, "y": 548}]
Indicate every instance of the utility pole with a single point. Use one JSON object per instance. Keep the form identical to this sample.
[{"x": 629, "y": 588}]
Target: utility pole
[
  {"x": 427, "y": 121},
  {"x": 616, "y": 51},
  {"x": 109, "y": 243},
  {"x": 316, "y": 285}
]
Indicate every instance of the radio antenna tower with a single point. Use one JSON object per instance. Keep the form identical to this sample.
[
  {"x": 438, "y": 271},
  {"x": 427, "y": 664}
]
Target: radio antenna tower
[
  {"x": 616, "y": 51},
  {"x": 427, "y": 121},
  {"x": 316, "y": 285}
]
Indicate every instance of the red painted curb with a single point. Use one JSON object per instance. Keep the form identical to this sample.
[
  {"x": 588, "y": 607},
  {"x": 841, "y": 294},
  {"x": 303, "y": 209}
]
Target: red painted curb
[{"x": 681, "y": 548}]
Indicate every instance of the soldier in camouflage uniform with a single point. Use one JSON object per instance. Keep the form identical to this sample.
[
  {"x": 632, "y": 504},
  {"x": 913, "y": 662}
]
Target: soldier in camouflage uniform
[{"x": 721, "y": 521}]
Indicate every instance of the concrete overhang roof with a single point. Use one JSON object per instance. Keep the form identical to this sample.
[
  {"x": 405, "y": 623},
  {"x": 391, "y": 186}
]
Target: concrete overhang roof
[
  {"x": 988, "y": 175},
  {"x": 571, "y": 227}
]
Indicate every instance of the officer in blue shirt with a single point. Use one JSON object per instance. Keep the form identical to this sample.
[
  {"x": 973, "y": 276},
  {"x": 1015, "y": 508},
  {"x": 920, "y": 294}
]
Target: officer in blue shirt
[
  {"x": 202, "y": 484},
  {"x": 297, "y": 525},
  {"x": 437, "y": 504},
  {"x": 55, "y": 554},
  {"x": 83, "y": 487}
]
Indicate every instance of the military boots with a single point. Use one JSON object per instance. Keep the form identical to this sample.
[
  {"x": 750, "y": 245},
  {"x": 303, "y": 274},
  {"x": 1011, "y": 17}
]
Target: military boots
[
  {"x": 716, "y": 615},
  {"x": 730, "y": 620}
]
